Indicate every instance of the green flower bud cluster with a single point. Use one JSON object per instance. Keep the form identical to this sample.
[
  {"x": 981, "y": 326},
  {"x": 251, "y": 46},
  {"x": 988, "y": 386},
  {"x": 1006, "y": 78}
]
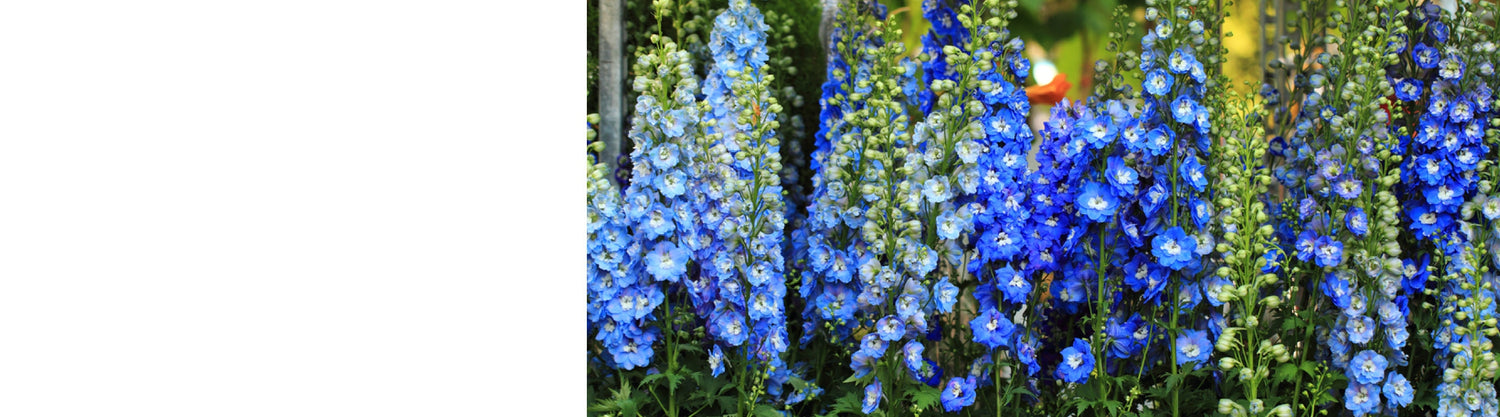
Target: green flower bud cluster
[{"x": 1247, "y": 349}]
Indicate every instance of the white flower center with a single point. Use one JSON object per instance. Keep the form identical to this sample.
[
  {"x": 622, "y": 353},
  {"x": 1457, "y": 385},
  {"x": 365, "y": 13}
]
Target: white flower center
[
  {"x": 1172, "y": 248},
  {"x": 1098, "y": 203}
]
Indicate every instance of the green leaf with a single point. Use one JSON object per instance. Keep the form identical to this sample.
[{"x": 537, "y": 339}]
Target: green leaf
[
  {"x": 1292, "y": 323},
  {"x": 622, "y": 401},
  {"x": 925, "y": 397},
  {"x": 689, "y": 348},
  {"x": 864, "y": 380},
  {"x": 1111, "y": 405},
  {"x": 1174, "y": 380},
  {"x": 650, "y": 379},
  {"x": 766, "y": 410},
  {"x": 1284, "y": 372},
  {"x": 849, "y": 403},
  {"x": 1310, "y": 368},
  {"x": 674, "y": 379},
  {"x": 1081, "y": 406}
]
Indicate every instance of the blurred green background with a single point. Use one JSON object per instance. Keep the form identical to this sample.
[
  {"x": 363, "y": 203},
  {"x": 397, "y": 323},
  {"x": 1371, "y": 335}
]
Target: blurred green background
[{"x": 1071, "y": 34}]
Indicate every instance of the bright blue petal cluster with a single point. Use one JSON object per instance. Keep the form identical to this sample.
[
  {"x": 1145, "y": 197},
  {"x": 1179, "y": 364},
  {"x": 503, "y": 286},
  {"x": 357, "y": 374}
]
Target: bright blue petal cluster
[
  {"x": 748, "y": 313},
  {"x": 645, "y": 239},
  {"x": 835, "y": 214}
]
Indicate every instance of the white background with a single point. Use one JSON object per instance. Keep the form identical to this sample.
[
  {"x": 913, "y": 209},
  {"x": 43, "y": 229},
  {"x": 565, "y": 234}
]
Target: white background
[{"x": 291, "y": 208}]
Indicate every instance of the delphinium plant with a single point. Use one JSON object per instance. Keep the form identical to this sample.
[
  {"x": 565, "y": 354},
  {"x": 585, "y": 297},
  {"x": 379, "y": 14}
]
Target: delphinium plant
[
  {"x": 1452, "y": 62},
  {"x": 971, "y": 71},
  {"x": 608, "y": 236},
  {"x": 1051, "y": 236},
  {"x": 1347, "y": 242},
  {"x": 1444, "y": 84},
  {"x": 896, "y": 300},
  {"x": 827, "y": 283},
  {"x": 1250, "y": 263},
  {"x": 649, "y": 247},
  {"x": 1440, "y": 121},
  {"x": 614, "y": 344},
  {"x": 1182, "y": 89},
  {"x": 974, "y": 140},
  {"x": 748, "y": 322},
  {"x": 1138, "y": 182},
  {"x": 1295, "y": 93}
]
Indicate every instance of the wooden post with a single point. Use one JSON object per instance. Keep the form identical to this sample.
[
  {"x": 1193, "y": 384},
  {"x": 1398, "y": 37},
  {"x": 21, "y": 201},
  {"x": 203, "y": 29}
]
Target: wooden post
[{"x": 611, "y": 80}]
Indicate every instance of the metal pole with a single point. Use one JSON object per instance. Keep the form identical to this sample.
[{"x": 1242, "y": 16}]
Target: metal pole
[{"x": 611, "y": 79}]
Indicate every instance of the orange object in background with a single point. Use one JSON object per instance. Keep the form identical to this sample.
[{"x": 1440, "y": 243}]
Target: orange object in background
[{"x": 1050, "y": 93}]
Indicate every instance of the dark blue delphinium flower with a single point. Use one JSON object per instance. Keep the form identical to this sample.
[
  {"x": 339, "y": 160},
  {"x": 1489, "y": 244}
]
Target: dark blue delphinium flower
[
  {"x": 1096, "y": 202},
  {"x": 992, "y": 329},
  {"x": 1328, "y": 252},
  {"x": 1174, "y": 248},
  {"x": 1426, "y": 57},
  {"x": 958, "y": 394},
  {"x": 1357, "y": 222},
  {"x": 1013, "y": 284},
  {"x": 1077, "y": 362},
  {"x": 1121, "y": 334}
]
